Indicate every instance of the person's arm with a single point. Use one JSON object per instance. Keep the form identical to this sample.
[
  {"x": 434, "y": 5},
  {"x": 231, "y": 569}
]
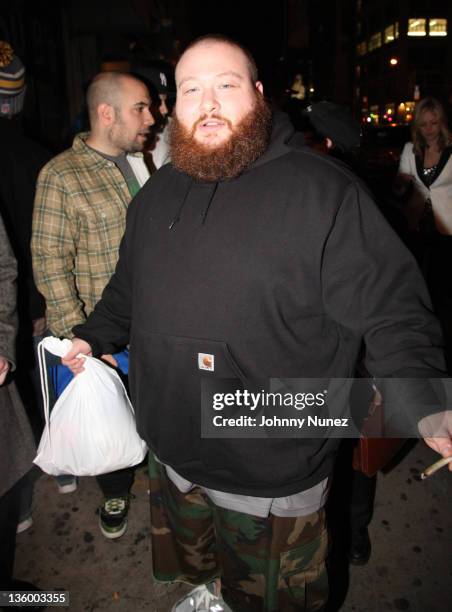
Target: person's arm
[
  {"x": 404, "y": 178},
  {"x": 372, "y": 286},
  {"x": 53, "y": 250},
  {"x": 8, "y": 320},
  {"x": 107, "y": 327}
]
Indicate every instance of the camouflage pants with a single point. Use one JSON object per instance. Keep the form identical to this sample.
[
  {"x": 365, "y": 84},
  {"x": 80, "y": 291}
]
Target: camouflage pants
[{"x": 269, "y": 564}]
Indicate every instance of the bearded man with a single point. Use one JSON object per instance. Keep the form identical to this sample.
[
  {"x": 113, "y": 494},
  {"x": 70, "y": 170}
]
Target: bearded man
[{"x": 248, "y": 257}]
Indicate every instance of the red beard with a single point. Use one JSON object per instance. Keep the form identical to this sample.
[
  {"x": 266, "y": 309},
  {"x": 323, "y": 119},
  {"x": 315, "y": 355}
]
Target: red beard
[{"x": 248, "y": 140}]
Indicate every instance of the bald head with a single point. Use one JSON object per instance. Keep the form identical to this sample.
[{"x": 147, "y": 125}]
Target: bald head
[
  {"x": 211, "y": 39},
  {"x": 107, "y": 88},
  {"x": 119, "y": 113}
]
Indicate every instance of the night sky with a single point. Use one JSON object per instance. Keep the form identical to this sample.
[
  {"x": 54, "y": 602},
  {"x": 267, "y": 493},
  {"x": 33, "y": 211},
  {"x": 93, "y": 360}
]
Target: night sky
[{"x": 257, "y": 25}]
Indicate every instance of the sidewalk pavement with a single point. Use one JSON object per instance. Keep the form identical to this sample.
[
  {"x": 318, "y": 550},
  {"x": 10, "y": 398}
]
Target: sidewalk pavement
[{"x": 410, "y": 567}]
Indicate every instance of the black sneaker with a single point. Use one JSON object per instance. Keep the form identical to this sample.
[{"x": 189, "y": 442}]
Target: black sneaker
[{"x": 113, "y": 516}]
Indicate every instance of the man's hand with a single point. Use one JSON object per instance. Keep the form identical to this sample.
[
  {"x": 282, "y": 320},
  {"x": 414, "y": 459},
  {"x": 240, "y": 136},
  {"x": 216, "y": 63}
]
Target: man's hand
[
  {"x": 110, "y": 359},
  {"x": 443, "y": 446},
  {"x": 4, "y": 369},
  {"x": 437, "y": 433},
  {"x": 74, "y": 363}
]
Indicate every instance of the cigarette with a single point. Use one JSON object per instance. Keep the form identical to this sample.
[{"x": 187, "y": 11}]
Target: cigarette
[{"x": 435, "y": 467}]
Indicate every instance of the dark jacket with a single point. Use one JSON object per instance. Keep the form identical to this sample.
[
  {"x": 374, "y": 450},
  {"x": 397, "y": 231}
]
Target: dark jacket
[
  {"x": 17, "y": 448},
  {"x": 280, "y": 272}
]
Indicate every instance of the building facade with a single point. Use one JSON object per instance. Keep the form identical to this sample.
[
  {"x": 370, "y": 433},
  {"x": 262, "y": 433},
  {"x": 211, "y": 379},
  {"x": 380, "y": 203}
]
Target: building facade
[{"x": 403, "y": 52}]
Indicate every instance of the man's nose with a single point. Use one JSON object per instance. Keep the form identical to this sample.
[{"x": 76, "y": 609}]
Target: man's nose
[
  {"x": 209, "y": 102},
  {"x": 148, "y": 118}
]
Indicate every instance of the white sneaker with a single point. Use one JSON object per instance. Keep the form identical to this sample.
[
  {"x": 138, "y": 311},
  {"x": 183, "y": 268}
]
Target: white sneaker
[
  {"x": 25, "y": 524},
  {"x": 202, "y": 599},
  {"x": 68, "y": 487}
]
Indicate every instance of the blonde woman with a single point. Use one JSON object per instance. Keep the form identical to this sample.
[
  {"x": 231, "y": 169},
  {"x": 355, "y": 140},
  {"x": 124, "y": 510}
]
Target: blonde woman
[{"x": 426, "y": 168}]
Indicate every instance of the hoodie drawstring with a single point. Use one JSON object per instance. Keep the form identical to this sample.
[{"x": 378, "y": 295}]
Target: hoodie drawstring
[
  {"x": 206, "y": 210},
  {"x": 176, "y": 219}
]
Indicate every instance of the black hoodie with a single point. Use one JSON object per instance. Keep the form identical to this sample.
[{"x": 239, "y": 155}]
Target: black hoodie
[{"x": 280, "y": 272}]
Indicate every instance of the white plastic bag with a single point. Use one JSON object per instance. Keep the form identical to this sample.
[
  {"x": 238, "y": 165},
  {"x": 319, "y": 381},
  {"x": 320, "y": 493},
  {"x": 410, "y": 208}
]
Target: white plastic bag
[{"x": 91, "y": 429}]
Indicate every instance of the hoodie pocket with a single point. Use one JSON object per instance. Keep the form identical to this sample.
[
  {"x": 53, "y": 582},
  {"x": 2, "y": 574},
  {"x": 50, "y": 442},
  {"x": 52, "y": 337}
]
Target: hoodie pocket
[{"x": 165, "y": 383}]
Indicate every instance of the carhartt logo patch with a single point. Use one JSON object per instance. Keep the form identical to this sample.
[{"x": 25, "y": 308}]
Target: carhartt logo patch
[{"x": 206, "y": 362}]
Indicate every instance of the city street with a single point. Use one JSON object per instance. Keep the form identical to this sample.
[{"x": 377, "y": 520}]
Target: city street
[{"x": 410, "y": 567}]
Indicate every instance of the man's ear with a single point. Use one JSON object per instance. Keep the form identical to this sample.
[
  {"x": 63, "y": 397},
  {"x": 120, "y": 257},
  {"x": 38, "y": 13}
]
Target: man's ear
[
  {"x": 106, "y": 114},
  {"x": 260, "y": 87}
]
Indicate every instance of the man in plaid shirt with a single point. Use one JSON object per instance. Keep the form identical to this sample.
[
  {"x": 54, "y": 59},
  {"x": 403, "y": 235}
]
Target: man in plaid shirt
[{"x": 78, "y": 222}]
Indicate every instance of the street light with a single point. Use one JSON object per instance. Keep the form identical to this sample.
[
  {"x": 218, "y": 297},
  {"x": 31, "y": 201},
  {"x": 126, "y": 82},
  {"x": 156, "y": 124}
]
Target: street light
[{"x": 393, "y": 61}]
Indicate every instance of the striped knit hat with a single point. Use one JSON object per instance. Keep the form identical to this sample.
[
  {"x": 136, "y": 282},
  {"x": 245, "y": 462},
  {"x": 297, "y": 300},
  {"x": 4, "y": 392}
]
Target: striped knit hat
[{"x": 12, "y": 81}]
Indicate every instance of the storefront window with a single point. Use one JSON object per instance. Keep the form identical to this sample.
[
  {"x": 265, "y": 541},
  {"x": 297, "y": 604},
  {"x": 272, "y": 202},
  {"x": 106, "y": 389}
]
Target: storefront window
[
  {"x": 437, "y": 27},
  {"x": 416, "y": 27}
]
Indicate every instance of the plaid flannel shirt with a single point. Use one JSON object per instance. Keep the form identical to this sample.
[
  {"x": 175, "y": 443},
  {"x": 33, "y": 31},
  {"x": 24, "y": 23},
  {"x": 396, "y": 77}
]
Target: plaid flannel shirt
[{"x": 78, "y": 222}]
